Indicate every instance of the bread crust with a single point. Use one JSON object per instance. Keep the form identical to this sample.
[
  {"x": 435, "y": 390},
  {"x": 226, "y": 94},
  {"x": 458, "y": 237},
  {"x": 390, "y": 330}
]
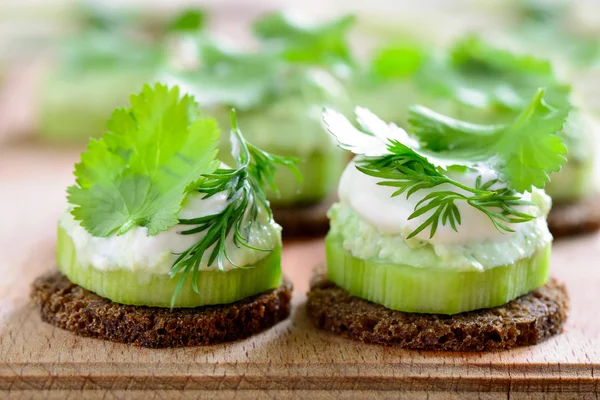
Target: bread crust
[
  {"x": 524, "y": 321},
  {"x": 69, "y": 306},
  {"x": 575, "y": 218},
  {"x": 303, "y": 220}
]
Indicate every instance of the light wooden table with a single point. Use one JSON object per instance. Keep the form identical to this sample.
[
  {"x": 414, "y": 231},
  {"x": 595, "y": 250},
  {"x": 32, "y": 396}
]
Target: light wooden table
[{"x": 292, "y": 359}]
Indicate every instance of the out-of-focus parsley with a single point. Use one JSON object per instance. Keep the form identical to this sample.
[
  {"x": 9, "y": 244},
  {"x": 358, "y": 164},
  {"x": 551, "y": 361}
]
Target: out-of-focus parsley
[
  {"x": 474, "y": 73},
  {"x": 223, "y": 76},
  {"x": 324, "y": 43},
  {"x": 112, "y": 39}
]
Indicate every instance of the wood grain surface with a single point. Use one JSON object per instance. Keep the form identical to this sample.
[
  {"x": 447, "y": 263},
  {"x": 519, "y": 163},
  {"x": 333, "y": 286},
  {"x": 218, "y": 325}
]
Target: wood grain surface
[{"x": 292, "y": 360}]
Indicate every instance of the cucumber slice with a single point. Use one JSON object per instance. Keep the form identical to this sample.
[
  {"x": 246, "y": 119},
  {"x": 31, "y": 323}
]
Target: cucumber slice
[
  {"x": 434, "y": 291},
  {"x": 137, "y": 288},
  {"x": 320, "y": 174}
]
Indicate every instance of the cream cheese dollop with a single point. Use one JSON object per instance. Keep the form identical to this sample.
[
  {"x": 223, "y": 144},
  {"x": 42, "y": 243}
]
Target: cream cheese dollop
[
  {"x": 390, "y": 215},
  {"x": 138, "y": 252}
]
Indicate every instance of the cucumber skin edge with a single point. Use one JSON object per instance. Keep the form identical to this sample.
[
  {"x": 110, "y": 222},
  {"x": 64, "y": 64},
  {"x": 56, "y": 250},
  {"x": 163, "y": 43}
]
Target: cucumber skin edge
[
  {"x": 216, "y": 287},
  {"x": 434, "y": 291}
]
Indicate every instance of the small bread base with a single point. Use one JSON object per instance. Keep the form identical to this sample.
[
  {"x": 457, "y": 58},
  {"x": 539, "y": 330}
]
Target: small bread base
[
  {"x": 575, "y": 218},
  {"x": 303, "y": 220},
  {"x": 524, "y": 321},
  {"x": 68, "y": 306}
]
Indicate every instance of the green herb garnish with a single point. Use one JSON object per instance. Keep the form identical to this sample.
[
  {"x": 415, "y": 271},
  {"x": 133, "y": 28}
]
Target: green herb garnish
[
  {"x": 474, "y": 73},
  {"x": 245, "y": 187},
  {"x": 111, "y": 39},
  {"x": 248, "y": 79},
  {"x": 324, "y": 43},
  {"x": 548, "y": 28},
  {"x": 140, "y": 171},
  {"x": 522, "y": 154},
  {"x": 190, "y": 20},
  {"x": 234, "y": 78},
  {"x": 398, "y": 60}
]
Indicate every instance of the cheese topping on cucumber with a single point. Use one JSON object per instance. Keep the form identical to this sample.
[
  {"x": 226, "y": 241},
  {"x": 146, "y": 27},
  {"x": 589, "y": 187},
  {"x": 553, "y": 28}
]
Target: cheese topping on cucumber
[
  {"x": 375, "y": 204},
  {"x": 366, "y": 241},
  {"x": 137, "y": 251}
]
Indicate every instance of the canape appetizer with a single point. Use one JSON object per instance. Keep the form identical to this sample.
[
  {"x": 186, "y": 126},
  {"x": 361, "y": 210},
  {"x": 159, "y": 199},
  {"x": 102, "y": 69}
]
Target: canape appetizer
[
  {"x": 109, "y": 58},
  {"x": 299, "y": 39},
  {"x": 557, "y": 30},
  {"x": 565, "y": 32},
  {"x": 279, "y": 104},
  {"x": 163, "y": 245},
  {"x": 489, "y": 85},
  {"x": 440, "y": 239}
]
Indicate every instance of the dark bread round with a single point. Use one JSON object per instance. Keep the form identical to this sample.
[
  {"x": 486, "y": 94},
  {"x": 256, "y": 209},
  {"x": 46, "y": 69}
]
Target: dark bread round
[
  {"x": 524, "y": 321},
  {"x": 303, "y": 220},
  {"x": 73, "y": 308},
  {"x": 575, "y": 218}
]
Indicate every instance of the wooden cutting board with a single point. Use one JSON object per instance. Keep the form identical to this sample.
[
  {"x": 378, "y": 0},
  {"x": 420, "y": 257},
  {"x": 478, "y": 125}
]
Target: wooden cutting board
[{"x": 293, "y": 359}]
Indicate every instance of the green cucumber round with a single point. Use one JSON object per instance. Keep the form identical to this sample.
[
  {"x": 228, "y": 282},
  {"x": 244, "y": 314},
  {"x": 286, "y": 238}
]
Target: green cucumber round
[
  {"x": 320, "y": 174},
  {"x": 137, "y": 288},
  {"x": 434, "y": 291}
]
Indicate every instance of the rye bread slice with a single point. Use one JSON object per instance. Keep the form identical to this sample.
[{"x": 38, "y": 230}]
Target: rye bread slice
[
  {"x": 574, "y": 218},
  {"x": 69, "y": 306},
  {"x": 303, "y": 220},
  {"x": 524, "y": 321}
]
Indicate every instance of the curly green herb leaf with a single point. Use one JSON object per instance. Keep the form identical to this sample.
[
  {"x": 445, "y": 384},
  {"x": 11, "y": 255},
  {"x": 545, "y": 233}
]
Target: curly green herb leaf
[
  {"x": 524, "y": 152},
  {"x": 321, "y": 44},
  {"x": 140, "y": 171}
]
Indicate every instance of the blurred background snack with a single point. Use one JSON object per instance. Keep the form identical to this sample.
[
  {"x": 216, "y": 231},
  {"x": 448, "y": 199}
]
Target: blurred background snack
[
  {"x": 65, "y": 64},
  {"x": 279, "y": 90},
  {"x": 111, "y": 54}
]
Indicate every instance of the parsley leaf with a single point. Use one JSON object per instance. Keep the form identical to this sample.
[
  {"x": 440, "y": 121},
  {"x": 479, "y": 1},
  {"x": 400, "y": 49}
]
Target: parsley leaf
[
  {"x": 374, "y": 138},
  {"x": 189, "y": 20},
  {"x": 319, "y": 44},
  {"x": 140, "y": 171},
  {"x": 118, "y": 39},
  {"x": 540, "y": 11},
  {"x": 523, "y": 152}
]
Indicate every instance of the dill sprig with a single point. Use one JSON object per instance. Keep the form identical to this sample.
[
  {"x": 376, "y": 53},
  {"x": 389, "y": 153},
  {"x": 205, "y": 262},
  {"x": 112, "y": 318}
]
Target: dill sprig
[
  {"x": 245, "y": 188},
  {"x": 410, "y": 173}
]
